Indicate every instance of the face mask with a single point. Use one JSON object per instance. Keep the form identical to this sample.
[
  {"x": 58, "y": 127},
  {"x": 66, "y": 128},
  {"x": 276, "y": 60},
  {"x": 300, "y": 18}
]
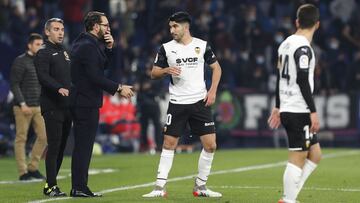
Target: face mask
[
  {"x": 244, "y": 56},
  {"x": 251, "y": 17},
  {"x": 260, "y": 59},
  {"x": 287, "y": 25},
  {"x": 334, "y": 45},
  {"x": 278, "y": 38}
]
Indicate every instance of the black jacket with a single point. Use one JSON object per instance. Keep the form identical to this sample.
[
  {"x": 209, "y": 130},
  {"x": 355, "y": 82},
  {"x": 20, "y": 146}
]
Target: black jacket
[
  {"x": 52, "y": 64},
  {"x": 89, "y": 58},
  {"x": 24, "y": 82}
]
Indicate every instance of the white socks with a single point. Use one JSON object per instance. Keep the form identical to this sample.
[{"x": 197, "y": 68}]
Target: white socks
[
  {"x": 294, "y": 179},
  {"x": 308, "y": 168},
  {"x": 166, "y": 159},
  {"x": 292, "y": 176},
  {"x": 204, "y": 166}
]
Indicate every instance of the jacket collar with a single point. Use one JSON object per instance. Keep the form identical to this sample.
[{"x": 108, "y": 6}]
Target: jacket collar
[
  {"x": 52, "y": 45},
  {"x": 93, "y": 39}
]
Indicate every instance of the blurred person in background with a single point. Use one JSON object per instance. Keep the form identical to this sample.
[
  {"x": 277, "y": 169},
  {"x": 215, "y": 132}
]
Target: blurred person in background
[
  {"x": 149, "y": 109},
  {"x": 26, "y": 89}
]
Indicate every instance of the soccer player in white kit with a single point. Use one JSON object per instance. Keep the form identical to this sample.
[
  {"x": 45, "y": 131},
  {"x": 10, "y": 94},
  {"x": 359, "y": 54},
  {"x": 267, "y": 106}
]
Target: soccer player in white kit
[
  {"x": 295, "y": 108},
  {"x": 183, "y": 60}
]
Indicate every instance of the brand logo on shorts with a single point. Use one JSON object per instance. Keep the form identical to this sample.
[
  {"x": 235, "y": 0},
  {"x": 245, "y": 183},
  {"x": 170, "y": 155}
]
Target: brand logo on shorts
[{"x": 209, "y": 124}]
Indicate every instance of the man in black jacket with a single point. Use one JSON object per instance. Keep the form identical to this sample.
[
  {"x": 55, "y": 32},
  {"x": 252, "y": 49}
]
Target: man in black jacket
[
  {"x": 89, "y": 55},
  {"x": 26, "y": 89},
  {"x": 53, "y": 69}
]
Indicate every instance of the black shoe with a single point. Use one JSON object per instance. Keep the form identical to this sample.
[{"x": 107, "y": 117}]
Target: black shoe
[
  {"x": 36, "y": 174},
  {"x": 25, "y": 177},
  {"x": 54, "y": 191},
  {"x": 83, "y": 193}
]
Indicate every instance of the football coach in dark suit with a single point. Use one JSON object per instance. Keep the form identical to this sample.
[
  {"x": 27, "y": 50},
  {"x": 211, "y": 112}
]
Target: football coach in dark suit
[{"x": 90, "y": 54}]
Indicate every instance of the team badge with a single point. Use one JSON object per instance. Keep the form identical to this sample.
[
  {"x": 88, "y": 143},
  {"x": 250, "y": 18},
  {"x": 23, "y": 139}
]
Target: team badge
[
  {"x": 197, "y": 50},
  {"x": 66, "y": 56}
]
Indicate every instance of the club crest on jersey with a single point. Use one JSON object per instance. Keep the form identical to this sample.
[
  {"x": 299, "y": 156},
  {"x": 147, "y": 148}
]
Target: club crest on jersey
[
  {"x": 197, "y": 50},
  {"x": 66, "y": 56}
]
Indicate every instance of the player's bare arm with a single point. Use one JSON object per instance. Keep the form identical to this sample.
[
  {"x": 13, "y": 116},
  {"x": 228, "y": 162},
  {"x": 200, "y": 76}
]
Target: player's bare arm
[
  {"x": 315, "y": 123},
  {"x": 216, "y": 74},
  {"x": 274, "y": 119},
  {"x": 158, "y": 72}
]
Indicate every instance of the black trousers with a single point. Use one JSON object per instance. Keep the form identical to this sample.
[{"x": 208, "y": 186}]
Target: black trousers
[
  {"x": 86, "y": 122},
  {"x": 58, "y": 126},
  {"x": 151, "y": 111}
]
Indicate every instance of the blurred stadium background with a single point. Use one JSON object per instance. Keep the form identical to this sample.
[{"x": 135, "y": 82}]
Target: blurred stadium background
[{"x": 245, "y": 36}]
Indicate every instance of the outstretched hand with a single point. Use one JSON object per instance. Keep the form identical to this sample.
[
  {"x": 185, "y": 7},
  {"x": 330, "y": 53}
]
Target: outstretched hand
[{"x": 126, "y": 91}]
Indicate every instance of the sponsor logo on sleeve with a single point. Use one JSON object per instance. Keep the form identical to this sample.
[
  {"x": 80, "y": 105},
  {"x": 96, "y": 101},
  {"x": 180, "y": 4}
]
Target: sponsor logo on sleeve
[{"x": 304, "y": 62}]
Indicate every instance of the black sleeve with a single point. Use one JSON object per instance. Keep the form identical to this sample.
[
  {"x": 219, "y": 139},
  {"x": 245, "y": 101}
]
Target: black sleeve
[
  {"x": 109, "y": 55},
  {"x": 209, "y": 55},
  {"x": 277, "y": 94},
  {"x": 16, "y": 76},
  {"x": 42, "y": 65},
  {"x": 89, "y": 57},
  {"x": 303, "y": 56},
  {"x": 161, "y": 59}
]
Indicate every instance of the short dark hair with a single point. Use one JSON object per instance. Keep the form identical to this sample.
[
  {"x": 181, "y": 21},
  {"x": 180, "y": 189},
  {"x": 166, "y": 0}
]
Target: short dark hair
[
  {"x": 92, "y": 18},
  {"x": 48, "y": 22},
  {"x": 307, "y": 15},
  {"x": 180, "y": 17},
  {"x": 33, "y": 37}
]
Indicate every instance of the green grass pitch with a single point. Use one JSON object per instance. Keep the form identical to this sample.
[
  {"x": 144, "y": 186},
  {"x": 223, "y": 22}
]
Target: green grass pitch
[{"x": 244, "y": 176}]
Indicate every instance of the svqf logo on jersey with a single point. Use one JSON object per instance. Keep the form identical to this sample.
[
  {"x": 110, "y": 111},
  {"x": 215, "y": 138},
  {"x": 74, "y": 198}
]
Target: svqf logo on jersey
[
  {"x": 187, "y": 60},
  {"x": 197, "y": 50}
]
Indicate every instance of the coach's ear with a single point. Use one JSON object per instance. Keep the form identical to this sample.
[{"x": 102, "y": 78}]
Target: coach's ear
[
  {"x": 317, "y": 25},
  {"x": 47, "y": 32},
  {"x": 297, "y": 23}
]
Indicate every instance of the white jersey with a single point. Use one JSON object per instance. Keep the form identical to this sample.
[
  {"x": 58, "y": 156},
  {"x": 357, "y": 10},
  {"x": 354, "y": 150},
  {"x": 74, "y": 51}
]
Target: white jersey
[
  {"x": 189, "y": 87},
  {"x": 295, "y": 56}
]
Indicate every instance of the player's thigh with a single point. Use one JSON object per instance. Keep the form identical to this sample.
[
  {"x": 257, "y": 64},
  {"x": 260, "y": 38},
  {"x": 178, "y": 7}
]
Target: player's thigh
[
  {"x": 201, "y": 120},
  {"x": 176, "y": 119},
  {"x": 297, "y": 127}
]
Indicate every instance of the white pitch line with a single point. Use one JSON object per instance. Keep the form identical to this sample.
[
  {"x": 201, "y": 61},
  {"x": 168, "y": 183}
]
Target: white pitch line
[
  {"x": 59, "y": 177},
  {"x": 236, "y": 170},
  {"x": 275, "y": 188}
]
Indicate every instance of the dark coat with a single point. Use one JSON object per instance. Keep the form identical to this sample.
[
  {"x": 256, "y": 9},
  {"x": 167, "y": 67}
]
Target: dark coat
[
  {"x": 52, "y": 65},
  {"x": 89, "y": 59}
]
